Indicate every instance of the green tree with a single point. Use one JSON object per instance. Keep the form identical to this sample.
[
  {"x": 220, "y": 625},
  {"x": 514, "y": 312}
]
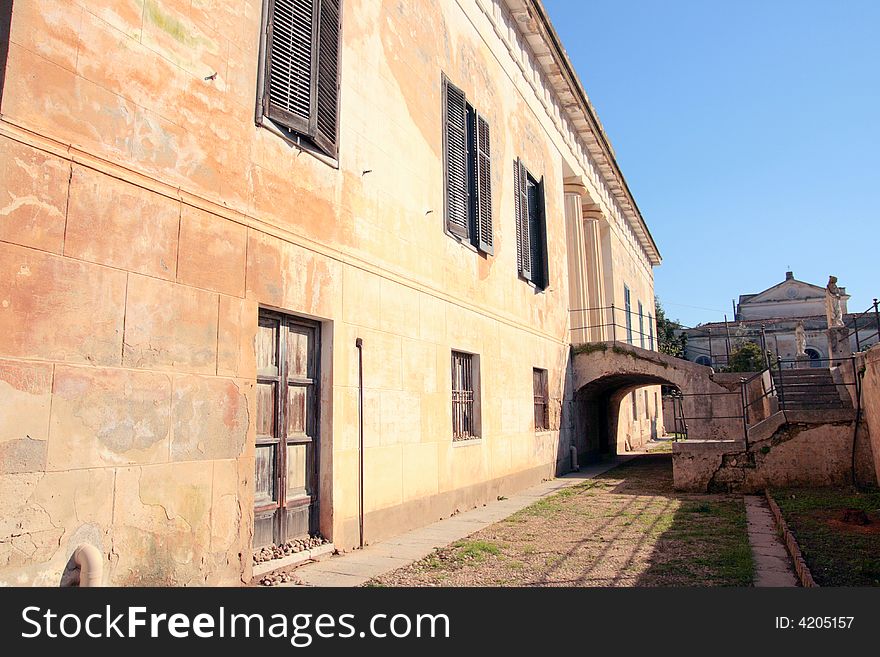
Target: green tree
[
  {"x": 746, "y": 357},
  {"x": 669, "y": 338}
]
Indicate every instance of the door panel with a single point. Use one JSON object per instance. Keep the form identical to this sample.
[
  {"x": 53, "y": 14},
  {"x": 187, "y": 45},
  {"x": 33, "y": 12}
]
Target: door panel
[
  {"x": 298, "y": 467},
  {"x": 297, "y": 404},
  {"x": 285, "y": 491},
  {"x": 298, "y": 352},
  {"x": 264, "y": 476},
  {"x": 266, "y": 409}
]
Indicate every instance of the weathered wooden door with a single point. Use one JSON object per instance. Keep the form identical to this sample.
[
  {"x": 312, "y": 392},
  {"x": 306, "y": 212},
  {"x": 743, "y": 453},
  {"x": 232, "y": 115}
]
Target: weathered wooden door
[{"x": 285, "y": 478}]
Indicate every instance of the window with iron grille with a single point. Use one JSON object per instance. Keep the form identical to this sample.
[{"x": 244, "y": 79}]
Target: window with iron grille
[
  {"x": 542, "y": 418},
  {"x": 531, "y": 227},
  {"x": 467, "y": 168},
  {"x": 299, "y": 74},
  {"x": 464, "y": 416}
]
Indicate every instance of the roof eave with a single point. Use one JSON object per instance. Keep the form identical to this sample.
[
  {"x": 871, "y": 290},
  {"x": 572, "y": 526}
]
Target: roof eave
[{"x": 621, "y": 190}]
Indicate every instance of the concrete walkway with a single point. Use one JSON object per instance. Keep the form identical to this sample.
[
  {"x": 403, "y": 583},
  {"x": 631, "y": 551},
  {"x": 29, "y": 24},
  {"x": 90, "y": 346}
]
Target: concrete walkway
[
  {"x": 772, "y": 562},
  {"x": 356, "y": 567}
]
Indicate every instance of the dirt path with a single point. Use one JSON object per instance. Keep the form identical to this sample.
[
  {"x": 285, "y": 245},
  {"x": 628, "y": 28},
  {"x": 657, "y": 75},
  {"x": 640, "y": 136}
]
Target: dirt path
[{"x": 624, "y": 528}]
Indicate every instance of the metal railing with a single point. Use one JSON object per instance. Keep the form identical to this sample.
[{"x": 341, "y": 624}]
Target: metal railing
[
  {"x": 729, "y": 338},
  {"x": 780, "y": 389},
  {"x": 862, "y": 338},
  {"x": 680, "y": 420},
  {"x": 607, "y": 320}
]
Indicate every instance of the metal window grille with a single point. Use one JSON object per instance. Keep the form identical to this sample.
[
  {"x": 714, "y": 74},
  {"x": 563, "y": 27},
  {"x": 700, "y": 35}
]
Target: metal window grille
[
  {"x": 542, "y": 421},
  {"x": 462, "y": 396}
]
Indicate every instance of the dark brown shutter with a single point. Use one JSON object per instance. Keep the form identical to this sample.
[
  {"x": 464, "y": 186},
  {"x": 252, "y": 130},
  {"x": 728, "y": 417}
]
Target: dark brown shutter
[
  {"x": 290, "y": 63},
  {"x": 455, "y": 159},
  {"x": 327, "y": 102},
  {"x": 521, "y": 209},
  {"x": 484, "y": 187}
]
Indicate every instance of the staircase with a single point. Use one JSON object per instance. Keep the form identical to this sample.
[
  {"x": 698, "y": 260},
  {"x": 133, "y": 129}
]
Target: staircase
[{"x": 808, "y": 389}]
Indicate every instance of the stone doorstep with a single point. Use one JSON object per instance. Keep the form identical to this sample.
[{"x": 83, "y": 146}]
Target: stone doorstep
[{"x": 267, "y": 567}]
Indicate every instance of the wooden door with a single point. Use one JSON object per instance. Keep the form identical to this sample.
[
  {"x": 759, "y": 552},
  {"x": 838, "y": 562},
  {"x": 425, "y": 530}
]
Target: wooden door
[{"x": 285, "y": 478}]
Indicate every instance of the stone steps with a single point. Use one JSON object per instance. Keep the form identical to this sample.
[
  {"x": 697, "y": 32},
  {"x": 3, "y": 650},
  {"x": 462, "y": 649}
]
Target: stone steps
[{"x": 808, "y": 389}]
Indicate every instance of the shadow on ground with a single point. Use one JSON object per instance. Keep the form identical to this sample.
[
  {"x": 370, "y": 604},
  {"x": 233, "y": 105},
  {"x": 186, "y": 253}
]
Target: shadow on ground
[{"x": 627, "y": 527}]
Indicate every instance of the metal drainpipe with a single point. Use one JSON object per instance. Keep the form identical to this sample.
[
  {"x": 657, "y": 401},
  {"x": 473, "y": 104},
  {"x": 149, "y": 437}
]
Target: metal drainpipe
[{"x": 359, "y": 343}]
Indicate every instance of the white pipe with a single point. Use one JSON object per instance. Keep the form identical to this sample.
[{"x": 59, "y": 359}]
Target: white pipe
[{"x": 91, "y": 565}]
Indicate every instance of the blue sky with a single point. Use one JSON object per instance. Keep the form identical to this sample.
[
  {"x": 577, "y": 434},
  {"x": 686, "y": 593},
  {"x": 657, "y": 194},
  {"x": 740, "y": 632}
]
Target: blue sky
[{"x": 749, "y": 134}]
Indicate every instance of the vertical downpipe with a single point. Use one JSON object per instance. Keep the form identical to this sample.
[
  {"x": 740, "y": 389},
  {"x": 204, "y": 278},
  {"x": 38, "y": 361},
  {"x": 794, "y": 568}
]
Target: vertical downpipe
[{"x": 359, "y": 343}]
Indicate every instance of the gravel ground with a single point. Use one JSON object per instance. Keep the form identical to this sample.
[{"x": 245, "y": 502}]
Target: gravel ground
[{"x": 624, "y": 528}]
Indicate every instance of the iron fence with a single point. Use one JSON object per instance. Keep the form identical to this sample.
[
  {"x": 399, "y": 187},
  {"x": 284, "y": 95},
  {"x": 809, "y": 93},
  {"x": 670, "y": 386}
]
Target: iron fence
[
  {"x": 861, "y": 337},
  {"x": 636, "y": 329},
  {"x": 780, "y": 390}
]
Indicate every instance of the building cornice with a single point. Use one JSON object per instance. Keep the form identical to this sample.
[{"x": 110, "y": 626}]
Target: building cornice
[{"x": 540, "y": 35}]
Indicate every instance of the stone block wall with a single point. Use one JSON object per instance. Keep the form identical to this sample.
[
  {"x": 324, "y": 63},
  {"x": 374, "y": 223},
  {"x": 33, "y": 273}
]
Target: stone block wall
[{"x": 145, "y": 220}]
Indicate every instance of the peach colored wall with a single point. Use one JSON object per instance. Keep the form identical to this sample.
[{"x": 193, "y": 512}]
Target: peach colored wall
[
  {"x": 144, "y": 219},
  {"x": 870, "y": 361}
]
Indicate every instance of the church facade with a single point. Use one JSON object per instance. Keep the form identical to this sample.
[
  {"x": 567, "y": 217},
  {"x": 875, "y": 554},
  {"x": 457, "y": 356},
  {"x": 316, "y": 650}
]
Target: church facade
[{"x": 770, "y": 319}]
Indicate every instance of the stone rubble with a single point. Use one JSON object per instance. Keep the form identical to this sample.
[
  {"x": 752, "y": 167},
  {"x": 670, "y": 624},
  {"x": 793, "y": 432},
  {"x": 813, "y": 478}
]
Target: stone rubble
[
  {"x": 270, "y": 552},
  {"x": 274, "y": 579}
]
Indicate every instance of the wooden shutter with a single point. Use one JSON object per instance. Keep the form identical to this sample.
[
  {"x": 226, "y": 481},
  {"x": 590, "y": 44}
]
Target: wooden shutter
[
  {"x": 521, "y": 210},
  {"x": 302, "y": 68},
  {"x": 455, "y": 159},
  {"x": 483, "y": 185},
  {"x": 290, "y": 63},
  {"x": 327, "y": 97}
]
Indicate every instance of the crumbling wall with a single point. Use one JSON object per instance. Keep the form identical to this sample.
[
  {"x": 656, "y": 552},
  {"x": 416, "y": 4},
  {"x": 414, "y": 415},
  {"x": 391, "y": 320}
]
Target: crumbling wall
[{"x": 795, "y": 454}]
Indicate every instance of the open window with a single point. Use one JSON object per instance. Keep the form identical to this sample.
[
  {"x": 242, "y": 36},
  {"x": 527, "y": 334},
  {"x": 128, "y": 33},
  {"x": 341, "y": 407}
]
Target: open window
[
  {"x": 299, "y": 71},
  {"x": 467, "y": 171},
  {"x": 531, "y": 227}
]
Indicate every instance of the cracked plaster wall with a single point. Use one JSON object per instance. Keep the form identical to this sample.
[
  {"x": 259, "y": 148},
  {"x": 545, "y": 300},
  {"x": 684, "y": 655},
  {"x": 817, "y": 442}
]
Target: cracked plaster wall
[{"x": 143, "y": 221}]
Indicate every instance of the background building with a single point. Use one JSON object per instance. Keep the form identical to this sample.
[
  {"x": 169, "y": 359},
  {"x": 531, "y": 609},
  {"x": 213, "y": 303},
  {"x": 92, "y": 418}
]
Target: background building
[{"x": 775, "y": 313}]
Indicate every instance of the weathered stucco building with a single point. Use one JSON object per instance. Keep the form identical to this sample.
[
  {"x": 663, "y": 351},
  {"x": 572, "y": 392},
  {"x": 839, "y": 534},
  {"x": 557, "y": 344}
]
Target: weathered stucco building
[
  {"x": 250, "y": 250},
  {"x": 776, "y": 312}
]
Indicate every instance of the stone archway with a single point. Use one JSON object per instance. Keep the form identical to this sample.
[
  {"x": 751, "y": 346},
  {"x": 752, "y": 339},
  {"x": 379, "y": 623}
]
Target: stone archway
[{"x": 603, "y": 373}]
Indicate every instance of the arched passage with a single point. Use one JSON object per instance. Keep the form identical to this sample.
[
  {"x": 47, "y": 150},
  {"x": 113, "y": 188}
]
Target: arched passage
[
  {"x": 598, "y": 410},
  {"x": 604, "y": 373}
]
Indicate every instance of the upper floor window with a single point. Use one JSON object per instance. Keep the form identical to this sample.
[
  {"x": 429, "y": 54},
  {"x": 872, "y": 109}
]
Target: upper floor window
[
  {"x": 641, "y": 326},
  {"x": 531, "y": 227},
  {"x": 650, "y": 332},
  {"x": 300, "y": 70},
  {"x": 627, "y": 307},
  {"x": 467, "y": 167}
]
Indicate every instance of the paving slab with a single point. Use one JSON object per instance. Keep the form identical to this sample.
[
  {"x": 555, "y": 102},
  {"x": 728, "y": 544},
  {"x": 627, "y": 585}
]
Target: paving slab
[
  {"x": 773, "y": 565},
  {"x": 358, "y": 566}
]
